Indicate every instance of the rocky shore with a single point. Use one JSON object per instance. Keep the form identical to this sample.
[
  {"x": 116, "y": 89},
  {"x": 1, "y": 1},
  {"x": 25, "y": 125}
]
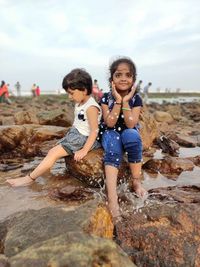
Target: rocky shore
[{"x": 62, "y": 219}]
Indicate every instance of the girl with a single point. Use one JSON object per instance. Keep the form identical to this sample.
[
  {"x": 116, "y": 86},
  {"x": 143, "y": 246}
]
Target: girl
[
  {"x": 119, "y": 129},
  {"x": 81, "y": 137}
]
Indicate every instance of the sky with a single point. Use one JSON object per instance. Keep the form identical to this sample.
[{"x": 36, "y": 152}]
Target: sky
[{"x": 42, "y": 40}]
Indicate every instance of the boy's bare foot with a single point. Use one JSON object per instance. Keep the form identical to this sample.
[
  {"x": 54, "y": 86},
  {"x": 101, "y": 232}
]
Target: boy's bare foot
[
  {"x": 22, "y": 181},
  {"x": 137, "y": 187}
]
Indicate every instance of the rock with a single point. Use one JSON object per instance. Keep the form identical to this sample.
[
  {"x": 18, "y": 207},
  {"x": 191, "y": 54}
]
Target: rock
[
  {"x": 73, "y": 249},
  {"x": 27, "y": 228},
  {"x": 164, "y": 233},
  {"x": 169, "y": 165},
  {"x": 168, "y": 146},
  {"x": 62, "y": 237},
  {"x": 90, "y": 169},
  {"x": 162, "y": 116},
  {"x": 4, "y": 261},
  {"x": 70, "y": 193},
  {"x": 55, "y": 117},
  {"x": 149, "y": 130}
]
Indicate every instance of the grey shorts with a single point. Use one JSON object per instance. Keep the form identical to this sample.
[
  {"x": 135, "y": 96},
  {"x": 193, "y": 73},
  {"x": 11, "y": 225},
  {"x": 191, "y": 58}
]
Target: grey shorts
[{"x": 74, "y": 141}]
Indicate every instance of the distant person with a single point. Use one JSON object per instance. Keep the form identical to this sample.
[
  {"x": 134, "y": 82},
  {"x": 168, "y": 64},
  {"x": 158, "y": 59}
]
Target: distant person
[
  {"x": 97, "y": 93},
  {"x": 138, "y": 86},
  {"x": 37, "y": 91},
  {"x": 146, "y": 92},
  {"x": 4, "y": 94},
  {"x": 18, "y": 88},
  {"x": 33, "y": 90},
  {"x": 81, "y": 137}
]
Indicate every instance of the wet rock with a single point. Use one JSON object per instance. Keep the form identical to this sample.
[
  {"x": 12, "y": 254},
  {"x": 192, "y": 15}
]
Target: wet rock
[
  {"x": 183, "y": 140},
  {"x": 166, "y": 231},
  {"x": 5, "y": 167},
  {"x": 169, "y": 165},
  {"x": 181, "y": 194},
  {"x": 71, "y": 193},
  {"x": 168, "y": 146},
  {"x": 26, "y": 139},
  {"x": 195, "y": 160},
  {"x": 90, "y": 169}
]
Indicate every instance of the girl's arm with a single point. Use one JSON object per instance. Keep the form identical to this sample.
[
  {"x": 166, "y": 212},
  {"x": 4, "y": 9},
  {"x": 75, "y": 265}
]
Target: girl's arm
[
  {"x": 110, "y": 117},
  {"x": 92, "y": 115},
  {"x": 131, "y": 116}
]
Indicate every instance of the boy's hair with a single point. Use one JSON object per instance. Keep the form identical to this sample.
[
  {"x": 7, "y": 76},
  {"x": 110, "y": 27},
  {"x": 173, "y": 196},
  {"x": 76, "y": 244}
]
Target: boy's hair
[
  {"x": 78, "y": 79},
  {"x": 114, "y": 65}
]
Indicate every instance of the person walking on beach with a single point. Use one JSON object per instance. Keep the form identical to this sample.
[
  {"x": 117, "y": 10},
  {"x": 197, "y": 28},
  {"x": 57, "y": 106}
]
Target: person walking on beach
[
  {"x": 33, "y": 90},
  {"x": 18, "y": 88},
  {"x": 37, "y": 91},
  {"x": 119, "y": 133},
  {"x": 81, "y": 137},
  {"x": 4, "y": 94},
  {"x": 146, "y": 92},
  {"x": 97, "y": 93},
  {"x": 138, "y": 86}
]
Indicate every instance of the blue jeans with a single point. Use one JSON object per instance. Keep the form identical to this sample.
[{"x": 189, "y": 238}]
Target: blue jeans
[{"x": 115, "y": 144}]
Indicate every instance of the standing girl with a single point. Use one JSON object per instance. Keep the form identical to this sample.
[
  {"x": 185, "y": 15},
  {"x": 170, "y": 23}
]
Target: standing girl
[
  {"x": 121, "y": 108},
  {"x": 81, "y": 137}
]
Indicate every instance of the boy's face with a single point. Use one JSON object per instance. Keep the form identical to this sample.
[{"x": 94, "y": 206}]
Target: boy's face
[{"x": 76, "y": 95}]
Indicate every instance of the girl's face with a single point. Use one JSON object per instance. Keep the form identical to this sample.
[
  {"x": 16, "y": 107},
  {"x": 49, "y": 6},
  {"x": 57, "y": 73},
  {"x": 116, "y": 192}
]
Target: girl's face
[
  {"x": 76, "y": 95},
  {"x": 122, "y": 77}
]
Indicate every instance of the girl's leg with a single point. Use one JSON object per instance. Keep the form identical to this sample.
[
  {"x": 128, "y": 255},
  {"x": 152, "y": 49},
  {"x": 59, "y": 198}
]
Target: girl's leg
[
  {"x": 111, "y": 142},
  {"x": 136, "y": 181},
  {"x": 133, "y": 146},
  {"x": 54, "y": 154},
  {"x": 111, "y": 186}
]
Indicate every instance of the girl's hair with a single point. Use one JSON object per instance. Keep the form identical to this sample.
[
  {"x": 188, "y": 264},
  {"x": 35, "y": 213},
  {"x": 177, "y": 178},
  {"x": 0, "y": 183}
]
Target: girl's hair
[
  {"x": 78, "y": 79},
  {"x": 114, "y": 65}
]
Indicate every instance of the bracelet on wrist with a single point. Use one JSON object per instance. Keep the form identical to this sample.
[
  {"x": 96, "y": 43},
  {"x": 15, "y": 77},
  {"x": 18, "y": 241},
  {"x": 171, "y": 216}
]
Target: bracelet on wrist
[{"x": 128, "y": 109}]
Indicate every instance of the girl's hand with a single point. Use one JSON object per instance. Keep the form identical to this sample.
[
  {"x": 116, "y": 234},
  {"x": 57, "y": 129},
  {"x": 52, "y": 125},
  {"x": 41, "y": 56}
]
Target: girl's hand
[
  {"x": 130, "y": 94},
  {"x": 116, "y": 95},
  {"x": 80, "y": 154}
]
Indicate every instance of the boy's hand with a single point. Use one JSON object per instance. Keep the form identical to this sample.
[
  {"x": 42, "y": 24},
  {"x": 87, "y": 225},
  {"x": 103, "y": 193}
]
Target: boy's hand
[{"x": 80, "y": 154}]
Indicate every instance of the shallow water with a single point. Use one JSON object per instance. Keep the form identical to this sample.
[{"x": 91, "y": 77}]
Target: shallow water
[{"x": 35, "y": 196}]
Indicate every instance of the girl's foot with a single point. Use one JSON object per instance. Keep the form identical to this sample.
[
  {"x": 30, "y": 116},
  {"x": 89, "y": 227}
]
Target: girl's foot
[
  {"x": 137, "y": 187},
  {"x": 22, "y": 181},
  {"x": 114, "y": 210}
]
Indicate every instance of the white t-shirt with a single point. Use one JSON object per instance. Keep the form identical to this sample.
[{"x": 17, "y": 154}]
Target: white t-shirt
[{"x": 80, "y": 116}]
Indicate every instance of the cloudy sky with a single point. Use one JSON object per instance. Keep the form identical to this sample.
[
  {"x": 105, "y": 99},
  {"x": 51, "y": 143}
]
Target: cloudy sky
[{"x": 41, "y": 40}]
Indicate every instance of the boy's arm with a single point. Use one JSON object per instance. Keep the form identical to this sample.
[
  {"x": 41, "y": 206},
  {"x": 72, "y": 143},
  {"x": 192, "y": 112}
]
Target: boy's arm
[{"x": 92, "y": 115}]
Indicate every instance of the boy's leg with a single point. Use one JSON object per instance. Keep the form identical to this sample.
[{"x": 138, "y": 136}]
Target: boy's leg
[
  {"x": 54, "y": 154},
  {"x": 111, "y": 142},
  {"x": 133, "y": 146}
]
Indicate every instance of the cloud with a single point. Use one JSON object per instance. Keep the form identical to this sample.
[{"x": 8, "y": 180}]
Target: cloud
[{"x": 55, "y": 35}]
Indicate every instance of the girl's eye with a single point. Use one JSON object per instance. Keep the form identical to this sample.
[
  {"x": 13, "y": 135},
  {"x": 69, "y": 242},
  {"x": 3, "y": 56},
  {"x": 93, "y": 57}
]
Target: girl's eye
[
  {"x": 117, "y": 75},
  {"x": 129, "y": 75}
]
